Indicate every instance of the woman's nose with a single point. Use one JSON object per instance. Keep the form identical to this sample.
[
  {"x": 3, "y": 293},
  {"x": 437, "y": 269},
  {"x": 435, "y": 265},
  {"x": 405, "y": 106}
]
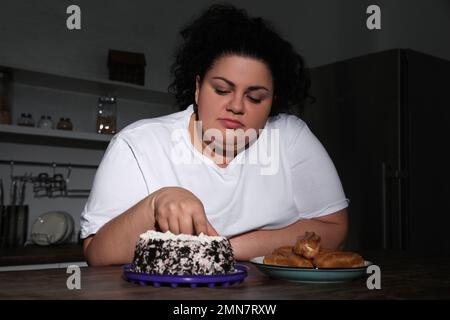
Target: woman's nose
[{"x": 236, "y": 105}]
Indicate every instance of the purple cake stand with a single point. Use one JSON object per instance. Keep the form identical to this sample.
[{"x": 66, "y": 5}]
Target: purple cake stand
[{"x": 193, "y": 281}]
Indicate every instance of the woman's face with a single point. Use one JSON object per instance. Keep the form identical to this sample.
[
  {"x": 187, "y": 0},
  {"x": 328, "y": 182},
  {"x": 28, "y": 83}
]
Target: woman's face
[{"x": 236, "y": 93}]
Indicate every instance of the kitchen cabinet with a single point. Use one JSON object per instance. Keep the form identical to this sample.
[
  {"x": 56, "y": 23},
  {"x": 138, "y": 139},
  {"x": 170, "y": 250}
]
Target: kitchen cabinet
[{"x": 383, "y": 118}]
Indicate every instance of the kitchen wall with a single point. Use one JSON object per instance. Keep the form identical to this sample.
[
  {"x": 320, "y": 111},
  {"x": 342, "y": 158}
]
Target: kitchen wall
[{"x": 33, "y": 34}]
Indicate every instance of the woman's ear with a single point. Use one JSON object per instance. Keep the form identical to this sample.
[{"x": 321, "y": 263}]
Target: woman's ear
[{"x": 197, "y": 88}]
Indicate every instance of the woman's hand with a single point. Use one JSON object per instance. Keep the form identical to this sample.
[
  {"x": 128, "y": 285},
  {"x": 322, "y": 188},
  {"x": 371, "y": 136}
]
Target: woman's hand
[
  {"x": 180, "y": 211},
  {"x": 174, "y": 209}
]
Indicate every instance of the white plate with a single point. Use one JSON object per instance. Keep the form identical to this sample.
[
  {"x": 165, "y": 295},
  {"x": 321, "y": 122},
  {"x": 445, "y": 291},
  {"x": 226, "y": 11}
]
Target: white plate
[
  {"x": 49, "y": 228},
  {"x": 312, "y": 275},
  {"x": 70, "y": 226}
]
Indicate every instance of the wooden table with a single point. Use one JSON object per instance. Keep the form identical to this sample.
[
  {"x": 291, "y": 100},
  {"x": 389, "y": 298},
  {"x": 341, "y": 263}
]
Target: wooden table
[{"x": 402, "y": 277}]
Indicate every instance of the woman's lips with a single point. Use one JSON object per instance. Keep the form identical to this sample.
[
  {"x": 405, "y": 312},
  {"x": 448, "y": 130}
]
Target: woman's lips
[{"x": 231, "y": 124}]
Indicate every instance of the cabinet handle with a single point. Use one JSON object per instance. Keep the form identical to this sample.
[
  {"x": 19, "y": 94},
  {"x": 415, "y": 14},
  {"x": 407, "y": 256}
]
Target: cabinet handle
[{"x": 384, "y": 205}]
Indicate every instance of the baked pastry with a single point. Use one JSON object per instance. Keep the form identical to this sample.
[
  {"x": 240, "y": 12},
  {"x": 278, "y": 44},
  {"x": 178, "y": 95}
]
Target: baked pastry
[
  {"x": 277, "y": 260},
  {"x": 290, "y": 260},
  {"x": 170, "y": 254},
  {"x": 284, "y": 250},
  {"x": 308, "y": 245},
  {"x": 338, "y": 259},
  {"x": 308, "y": 253},
  {"x": 298, "y": 261}
]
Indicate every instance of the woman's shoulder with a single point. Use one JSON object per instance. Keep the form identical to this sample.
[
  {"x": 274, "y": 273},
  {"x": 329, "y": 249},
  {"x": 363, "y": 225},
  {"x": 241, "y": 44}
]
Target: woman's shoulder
[
  {"x": 288, "y": 125},
  {"x": 150, "y": 126}
]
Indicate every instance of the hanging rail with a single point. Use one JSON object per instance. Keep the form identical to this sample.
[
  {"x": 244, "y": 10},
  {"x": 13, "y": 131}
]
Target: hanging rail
[{"x": 47, "y": 164}]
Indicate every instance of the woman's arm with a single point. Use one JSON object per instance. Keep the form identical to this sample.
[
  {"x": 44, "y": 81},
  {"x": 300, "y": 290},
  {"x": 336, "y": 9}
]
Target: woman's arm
[
  {"x": 115, "y": 242},
  {"x": 332, "y": 229}
]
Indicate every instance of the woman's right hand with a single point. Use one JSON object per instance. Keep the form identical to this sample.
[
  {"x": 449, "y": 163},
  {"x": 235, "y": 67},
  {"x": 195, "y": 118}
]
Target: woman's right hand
[{"x": 179, "y": 211}]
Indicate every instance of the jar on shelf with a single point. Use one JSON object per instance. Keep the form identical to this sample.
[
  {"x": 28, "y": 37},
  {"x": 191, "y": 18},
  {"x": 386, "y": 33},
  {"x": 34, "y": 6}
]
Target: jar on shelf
[
  {"x": 45, "y": 122},
  {"x": 26, "y": 120},
  {"x": 5, "y": 106},
  {"x": 106, "y": 115},
  {"x": 64, "y": 124}
]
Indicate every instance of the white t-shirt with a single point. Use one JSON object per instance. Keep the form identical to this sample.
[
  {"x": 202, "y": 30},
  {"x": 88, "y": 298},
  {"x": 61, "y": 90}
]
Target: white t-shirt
[{"x": 292, "y": 177}]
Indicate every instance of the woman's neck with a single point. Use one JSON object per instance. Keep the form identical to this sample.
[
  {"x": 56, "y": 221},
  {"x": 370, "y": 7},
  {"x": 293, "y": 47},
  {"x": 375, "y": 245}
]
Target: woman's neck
[{"x": 196, "y": 134}]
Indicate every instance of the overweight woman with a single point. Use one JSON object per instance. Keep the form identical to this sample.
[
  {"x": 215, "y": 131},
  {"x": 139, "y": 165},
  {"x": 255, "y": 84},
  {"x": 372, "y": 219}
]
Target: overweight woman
[{"x": 237, "y": 161}]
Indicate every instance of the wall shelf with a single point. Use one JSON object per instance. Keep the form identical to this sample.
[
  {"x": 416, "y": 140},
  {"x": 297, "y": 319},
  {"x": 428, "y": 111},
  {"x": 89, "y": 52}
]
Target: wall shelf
[
  {"x": 72, "y": 139},
  {"x": 94, "y": 86}
]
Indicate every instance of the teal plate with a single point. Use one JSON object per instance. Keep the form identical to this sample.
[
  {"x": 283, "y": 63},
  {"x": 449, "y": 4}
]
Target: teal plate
[{"x": 310, "y": 275}]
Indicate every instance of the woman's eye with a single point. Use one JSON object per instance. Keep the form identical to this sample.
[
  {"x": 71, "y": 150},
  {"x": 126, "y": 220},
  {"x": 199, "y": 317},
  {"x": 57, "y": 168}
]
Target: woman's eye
[
  {"x": 254, "y": 100},
  {"x": 221, "y": 92}
]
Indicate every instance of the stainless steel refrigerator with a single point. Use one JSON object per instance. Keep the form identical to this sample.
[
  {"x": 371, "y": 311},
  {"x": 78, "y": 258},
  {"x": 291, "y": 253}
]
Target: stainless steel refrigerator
[{"x": 384, "y": 118}]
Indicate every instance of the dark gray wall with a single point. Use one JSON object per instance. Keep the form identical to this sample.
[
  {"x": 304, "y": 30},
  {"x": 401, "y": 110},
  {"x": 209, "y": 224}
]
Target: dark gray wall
[{"x": 33, "y": 33}]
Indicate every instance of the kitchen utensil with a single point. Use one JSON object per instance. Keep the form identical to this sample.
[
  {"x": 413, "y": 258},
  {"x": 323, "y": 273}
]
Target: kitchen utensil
[
  {"x": 13, "y": 192},
  {"x": 20, "y": 185},
  {"x": 11, "y": 228},
  {"x": 21, "y": 197},
  {"x": 2, "y": 223},
  {"x": 58, "y": 186},
  {"x": 2, "y": 213},
  {"x": 1, "y": 194},
  {"x": 21, "y": 221},
  {"x": 41, "y": 185}
]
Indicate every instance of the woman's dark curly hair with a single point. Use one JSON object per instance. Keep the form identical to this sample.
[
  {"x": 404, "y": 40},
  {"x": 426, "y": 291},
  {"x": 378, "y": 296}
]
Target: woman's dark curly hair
[{"x": 225, "y": 30}]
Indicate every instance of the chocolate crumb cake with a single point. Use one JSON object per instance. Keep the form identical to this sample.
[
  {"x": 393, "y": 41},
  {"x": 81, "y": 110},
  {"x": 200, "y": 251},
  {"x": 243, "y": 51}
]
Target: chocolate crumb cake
[{"x": 170, "y": 254}]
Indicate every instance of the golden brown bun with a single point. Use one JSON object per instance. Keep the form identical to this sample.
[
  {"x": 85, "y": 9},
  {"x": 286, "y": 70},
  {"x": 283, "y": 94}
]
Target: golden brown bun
[
  {"x": 298, "y": 261},
  {"x": 308, "y": 253},
  {"x": 283, "y": 251},
  {"x": 277, "y": 260},
  {"x": 308, "y": 245},
  {"x": 292, "y": 260},
  {"x": 338, "y": 259}
]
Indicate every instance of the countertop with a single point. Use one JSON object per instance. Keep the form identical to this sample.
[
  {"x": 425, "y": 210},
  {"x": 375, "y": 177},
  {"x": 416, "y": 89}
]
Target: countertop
[
  {"x": 33, "y": 254},
  {"x": 403, "y": 276}
]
